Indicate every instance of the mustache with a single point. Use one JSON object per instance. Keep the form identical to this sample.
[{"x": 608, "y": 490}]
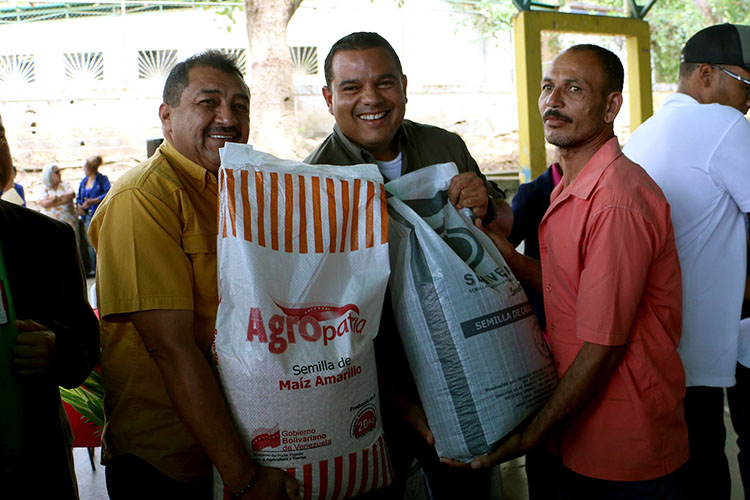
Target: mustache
[
  {"x": 223, "y": 130},
  {"x": 556, "y": 114}
]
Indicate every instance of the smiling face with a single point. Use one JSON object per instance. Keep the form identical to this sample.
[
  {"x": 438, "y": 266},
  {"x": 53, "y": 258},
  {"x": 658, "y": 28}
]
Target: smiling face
[
  {"x": 367, "y": 96},
  {"x": 573, "y": 105},
  {"x": 214, "y": 109}
]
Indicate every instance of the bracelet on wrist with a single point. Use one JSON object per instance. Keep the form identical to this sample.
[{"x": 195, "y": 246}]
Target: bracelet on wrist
[{"x": 238, "y": 494}]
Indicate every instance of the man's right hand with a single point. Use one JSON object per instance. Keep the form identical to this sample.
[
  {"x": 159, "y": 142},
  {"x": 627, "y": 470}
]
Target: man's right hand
[
  {"x": 273, "y": 484},
  {"x": 34, "y": 350},
  {"x": 526, "y": 269}
]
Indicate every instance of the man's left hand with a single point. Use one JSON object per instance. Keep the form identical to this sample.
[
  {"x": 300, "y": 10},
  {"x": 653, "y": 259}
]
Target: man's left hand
[
  {"x": 511, "y": 447},
  {"x": 35, "y": 346},
  {"x": 469, "y": 191}
]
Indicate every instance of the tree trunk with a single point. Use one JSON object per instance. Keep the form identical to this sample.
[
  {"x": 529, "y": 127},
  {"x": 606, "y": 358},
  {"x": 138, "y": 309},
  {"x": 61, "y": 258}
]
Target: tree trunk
[{"x": 273, "y": 123}]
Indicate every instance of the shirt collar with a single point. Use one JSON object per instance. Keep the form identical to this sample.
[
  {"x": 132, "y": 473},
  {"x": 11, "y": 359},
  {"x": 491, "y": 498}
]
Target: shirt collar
[
  {"x": 679, "y": 97},
  {"x": 199, "y": 175},
  {"x": 358, "y": 152},
  {"x": 587, "y": 179}
]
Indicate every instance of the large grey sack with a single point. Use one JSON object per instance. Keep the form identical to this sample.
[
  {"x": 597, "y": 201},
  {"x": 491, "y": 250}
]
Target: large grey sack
[{"x": 478, "y": 357}]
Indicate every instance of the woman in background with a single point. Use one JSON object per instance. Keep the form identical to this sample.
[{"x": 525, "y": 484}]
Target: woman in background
[
  {"x": 59, "y": 196},
  {"x": 92, "y": 190}
]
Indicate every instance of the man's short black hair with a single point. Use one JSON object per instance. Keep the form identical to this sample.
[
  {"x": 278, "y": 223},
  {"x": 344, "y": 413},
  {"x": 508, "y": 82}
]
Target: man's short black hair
[
  {"x": 687, "y": 69},
  {"x": 360, "y": 40},
  {"x": 614, "y": 74},
  {"x": 178, "y": 77}
]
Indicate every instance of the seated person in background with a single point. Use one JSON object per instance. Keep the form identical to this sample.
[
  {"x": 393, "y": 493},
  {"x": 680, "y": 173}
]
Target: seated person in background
[
  {"x": 366, "y": 93},
  {"x": 57, "y": 344},
  {"x": 13, "y": 191},
  {"x": 59, "y": 196},
  {"x": 529, "y": 205}
]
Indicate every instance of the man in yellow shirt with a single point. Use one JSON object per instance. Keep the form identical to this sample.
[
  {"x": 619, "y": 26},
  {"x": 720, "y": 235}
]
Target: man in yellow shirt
[{"x": 155, "y": 235}]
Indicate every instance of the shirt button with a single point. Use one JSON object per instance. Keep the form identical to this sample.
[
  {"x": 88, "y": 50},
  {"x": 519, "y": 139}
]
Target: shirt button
[{"x": 548, "y": 288}]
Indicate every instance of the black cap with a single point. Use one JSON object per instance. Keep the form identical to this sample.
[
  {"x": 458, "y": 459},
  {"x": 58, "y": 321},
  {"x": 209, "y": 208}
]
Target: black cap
[{"x": 719, "y": 44}]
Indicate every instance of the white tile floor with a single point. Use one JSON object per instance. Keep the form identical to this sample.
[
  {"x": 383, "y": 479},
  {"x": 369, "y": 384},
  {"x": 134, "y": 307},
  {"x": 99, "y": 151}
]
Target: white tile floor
[{"x": 91, "y": 483}]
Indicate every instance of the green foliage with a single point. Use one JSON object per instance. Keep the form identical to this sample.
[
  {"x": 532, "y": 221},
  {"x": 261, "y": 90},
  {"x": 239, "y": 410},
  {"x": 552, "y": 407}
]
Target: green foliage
[
  {"x": 672, "y": 22},
  {"x": 88, "y": 399},
  {"x": 228, "y": 12},
  {"x": 489, "y": 16}
]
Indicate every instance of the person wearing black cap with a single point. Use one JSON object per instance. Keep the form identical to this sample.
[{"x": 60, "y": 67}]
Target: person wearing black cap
[{"x": 697, "y": 149}]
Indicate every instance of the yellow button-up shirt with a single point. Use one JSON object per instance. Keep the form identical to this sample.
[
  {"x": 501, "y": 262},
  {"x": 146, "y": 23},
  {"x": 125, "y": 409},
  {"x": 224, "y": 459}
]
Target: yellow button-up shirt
[{"x": 155, "y": 237}]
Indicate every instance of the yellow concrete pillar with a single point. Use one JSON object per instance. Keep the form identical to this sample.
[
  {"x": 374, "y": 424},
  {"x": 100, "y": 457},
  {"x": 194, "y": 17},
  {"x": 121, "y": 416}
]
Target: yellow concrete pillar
[
  {"x": 639, "y": 78},
  {"x": 528, "y": 55}
]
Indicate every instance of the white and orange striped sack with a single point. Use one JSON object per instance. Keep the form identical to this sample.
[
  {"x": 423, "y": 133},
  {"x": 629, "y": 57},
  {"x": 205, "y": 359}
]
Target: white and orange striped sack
[{"x": 303, "y": 266}]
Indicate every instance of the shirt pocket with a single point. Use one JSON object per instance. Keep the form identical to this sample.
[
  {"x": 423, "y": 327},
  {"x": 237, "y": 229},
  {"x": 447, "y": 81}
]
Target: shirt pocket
[{"x": 200, "y": 248}]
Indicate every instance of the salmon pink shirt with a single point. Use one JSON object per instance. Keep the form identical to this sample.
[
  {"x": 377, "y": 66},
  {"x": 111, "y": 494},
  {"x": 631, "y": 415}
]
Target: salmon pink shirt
[{"x": 611, "y": 276}]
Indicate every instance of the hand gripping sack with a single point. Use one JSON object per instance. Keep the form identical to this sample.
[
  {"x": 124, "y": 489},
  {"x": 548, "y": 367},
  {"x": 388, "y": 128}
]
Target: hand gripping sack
[
  {"x": 303, "y": 266},
  {"x": 477, "y": 354}
]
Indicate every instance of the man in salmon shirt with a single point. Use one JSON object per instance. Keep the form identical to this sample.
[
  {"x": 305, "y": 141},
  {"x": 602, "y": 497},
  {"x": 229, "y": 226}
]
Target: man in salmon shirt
[{"x": 609, "y": 271}]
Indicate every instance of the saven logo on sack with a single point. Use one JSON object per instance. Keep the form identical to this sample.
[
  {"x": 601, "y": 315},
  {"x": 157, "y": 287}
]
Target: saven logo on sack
[{"x": 309, "y": 323}]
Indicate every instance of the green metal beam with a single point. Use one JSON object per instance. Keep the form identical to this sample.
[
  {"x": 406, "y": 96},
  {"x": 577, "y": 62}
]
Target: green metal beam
[
  {"x": 26, "y": 12},
  {"x": 638, "y": 11},
  {"x": 522, "y": 5}
]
